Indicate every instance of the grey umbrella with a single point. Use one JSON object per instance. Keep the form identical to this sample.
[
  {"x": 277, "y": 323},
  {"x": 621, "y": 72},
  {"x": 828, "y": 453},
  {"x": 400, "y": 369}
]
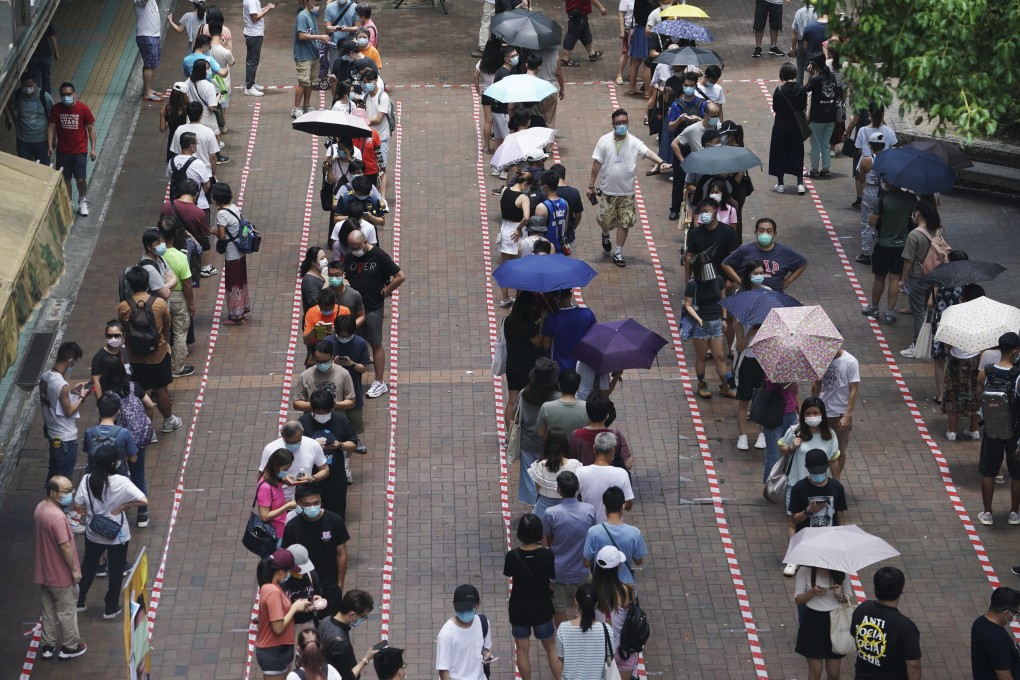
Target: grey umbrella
[
  {"x": 720, "y": 160},
  {"x": 689, "y": 55},
  {"x": 522, "y": 28}
]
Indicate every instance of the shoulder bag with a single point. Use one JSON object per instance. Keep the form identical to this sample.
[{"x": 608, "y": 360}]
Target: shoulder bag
[
  {"x": 499, "y": 353},
  {"x": 767, "y": 407},
  {"x": 802, "y": 122},
  {"x": 840, "y": 633},
  {"x": 775, "y": 485},
  {"x": 609, "y": 669},
  {"x": 922, "y": 346},
  {"x": 259, "y": 537},
  {"x": 513, "y": 437},
  {"x": 100, "y": 524}
]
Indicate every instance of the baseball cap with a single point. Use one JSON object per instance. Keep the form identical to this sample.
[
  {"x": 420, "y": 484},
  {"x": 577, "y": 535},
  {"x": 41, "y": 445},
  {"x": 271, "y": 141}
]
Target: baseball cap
[
  {"x": 181, "y": 87},
  {"x": 535, "y": 155},
  {"x": 283, "y": 559},
  {"x": 816, "y": 461},
  {"x": 877, "y": 137},
  {"x": 300, "y": 555},
  {"x": 609, "y": 557},
  {"x": 465, "y": 597}
]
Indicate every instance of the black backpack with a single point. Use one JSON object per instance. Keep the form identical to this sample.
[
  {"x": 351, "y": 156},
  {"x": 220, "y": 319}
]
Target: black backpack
[
  {"x": 1000, "y": 406},
  {"x": 140, "y": 329},
  {"x": 635, "y": 631},
  {"x": 177, "y": 177},
  {"x": 42, "y": 100}
]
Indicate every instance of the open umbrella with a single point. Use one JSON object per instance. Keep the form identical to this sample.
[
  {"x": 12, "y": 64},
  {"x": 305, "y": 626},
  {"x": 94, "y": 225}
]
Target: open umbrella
[
  {"x": 962, "y": 272},
  {"x": 683, "y": 12},
  {"x": 919, "y": 171},
  {"x": 949, "y": 153},
  {"x": 520, "y": 87},
  {"x": 683, "y": 30},
  {"x": 752, "y": 306},
  {"x": 796, "y": 343},
  {"x": 842, "y": 548},
  {"x": 544, "y": 273},
  {"x": 332, "y": 124},
  {"x": 617, "y": 346},
  {"x": 688, "y": 55},
  {"x": 720, "y": 160},
  {"x": 516, "y": 146},
  {"x": 976, "y": 325},
  {"x": 521, "y": 28}
]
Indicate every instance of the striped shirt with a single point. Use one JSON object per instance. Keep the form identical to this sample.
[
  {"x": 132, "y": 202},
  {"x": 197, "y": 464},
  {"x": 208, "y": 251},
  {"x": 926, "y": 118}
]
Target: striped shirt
[{"x": 583, "y": 653}]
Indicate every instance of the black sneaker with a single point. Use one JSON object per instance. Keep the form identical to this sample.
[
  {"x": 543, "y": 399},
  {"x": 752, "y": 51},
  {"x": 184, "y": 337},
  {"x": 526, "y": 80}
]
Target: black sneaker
[
  {"x": 607, "y": 245},
  {"x": 68, "y": 653},
  {"x": 618, "y": 260},
  {"x": 1016, "y": 570},
  {"x": 757, "y": 53},
  {"x": 142, "y": 520},
  {"x": 673, "y": 215},
  {"x": 108, "y": 615},
  {"x": 361, "y": 448},
  {"x": 47, "y": 651},
  {"x": 856, "y": 204},
  {"x": 776, "y": 52},
  {"x": 221, "y": 159},
  {"x": 184, "y": 372},
  {"x": 81, "y": 608}
]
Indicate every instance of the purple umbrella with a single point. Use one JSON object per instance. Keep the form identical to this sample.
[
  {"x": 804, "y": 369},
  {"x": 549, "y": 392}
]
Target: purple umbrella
[{"x": 617, "y": 346}]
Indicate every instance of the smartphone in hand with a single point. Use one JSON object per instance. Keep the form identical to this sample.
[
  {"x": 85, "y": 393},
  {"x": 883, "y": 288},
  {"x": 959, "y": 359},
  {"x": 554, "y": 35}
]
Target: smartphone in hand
[{"x": 382, "y": 644}]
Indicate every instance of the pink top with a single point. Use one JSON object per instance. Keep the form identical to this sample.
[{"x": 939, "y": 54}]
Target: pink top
[
  {"x": 373, "y": 32},
  {"x": 52, "y": 530},
  {"x": 790, "y": 396},
  {"x": 268, "y": 496},
  {"x": 727, "y": 214}
]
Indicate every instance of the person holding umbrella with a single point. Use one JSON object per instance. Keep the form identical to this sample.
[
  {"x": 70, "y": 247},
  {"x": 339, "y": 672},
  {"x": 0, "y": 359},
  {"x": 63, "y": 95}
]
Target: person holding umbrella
[
  {"x": 818, "y": 592},
  {"x": 501, "y": 110}
]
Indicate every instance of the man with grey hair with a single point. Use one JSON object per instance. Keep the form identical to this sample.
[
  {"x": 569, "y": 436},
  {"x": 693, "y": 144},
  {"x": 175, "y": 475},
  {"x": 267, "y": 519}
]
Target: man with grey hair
[
  {"x": 602, "y": 474},
  {"x": 307, "y": 454}
]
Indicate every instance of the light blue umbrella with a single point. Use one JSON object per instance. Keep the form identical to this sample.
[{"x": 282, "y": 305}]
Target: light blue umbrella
[{"x": 520, "y": 88}]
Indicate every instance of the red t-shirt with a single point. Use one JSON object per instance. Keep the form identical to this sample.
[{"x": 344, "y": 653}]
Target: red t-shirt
[
  {"x": 51, "y": 531},
  {"x": 71, "y": 122},
  {"x": 367, "y": 146},
  {"x": 194, "y": 218},
  {"x": 583, "y": 5}
]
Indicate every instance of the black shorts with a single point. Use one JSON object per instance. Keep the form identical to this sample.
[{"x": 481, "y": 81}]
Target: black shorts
[
  {"x": 887, "y": 260},
  {"x": 773, "y": 12},
  {"x": 72, "y": 165},
  {"x": 577, "y": 30},
  {"x": 750, "y": 377},
  {"x": 274, "y": 660},
  {"x": 992, "y": 453},
  {"x": 152, "y": 376}
]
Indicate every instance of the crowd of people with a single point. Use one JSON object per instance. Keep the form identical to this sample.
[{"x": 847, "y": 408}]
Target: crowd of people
[{"x": 574, "y": 573}]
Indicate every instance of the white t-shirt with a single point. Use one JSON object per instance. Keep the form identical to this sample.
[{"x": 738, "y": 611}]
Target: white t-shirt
[
  {"x": 835, "y": 393},
  {"x": 619, "y": 159},
  {"x": 961, "y": 354},
  {"x": 459, "y": 650},
  {"x": 253, "y": 28},
  {"x": 373, "y": 106},
  {"x": 714, "y": 92},
  {"x": 198, "y": 171},
  {"x": 208, "y": 96},
  {"x": 57, "y": 424},
  {"x": 802, "y": 583},
  {"x": 223, "y": 57},
  {"x": 627, "y": 7},
  {"x": 861, "y": 141},
  {"x": 309, "y": 454},
  {"x": 331, "y": 674},
  {"x": 147, "y": 17},
  {"x": 367, "y": 228},
  {"x": 654, "y": 17},
  {"x": 692, "y": 134},
  {"x": 595, "y": 479},
  {"x": 119, "y": 491},
  {"x": 207, "y": 145}
]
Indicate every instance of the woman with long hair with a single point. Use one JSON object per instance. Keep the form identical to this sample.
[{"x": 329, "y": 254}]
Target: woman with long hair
[
  {"x": 824, "y": 94},
  {"x": 702, "y": 297},
  {"x": 522, "y": 329},
  {"x": 310, "y": 660},
  {"x": 750, "y": 375},
  {"x": 274, "y": 637},
  {"x": 944, "y": 299},
  {"x": 515, "y": 209},
  {"x": 818, "y": 592},
  {"x": 191, "y": 22},
  {"x": 235, "y": 268},
  {"x": 269, "y": 499},
  {"x": 555, "y": 459},
  {"x": 199, "y": 89},
  {"x": 812, "y": 431},
  {"x": 531, "y": 604},
  {"x": 542, "y": 387},
  {"x": 613, "y": 598},
  {"x": 581, "y": 641},
  {"x": 104, "y": 493},
  {"x": 172, "y": 115},
  {"x": 481, "y": 79}
]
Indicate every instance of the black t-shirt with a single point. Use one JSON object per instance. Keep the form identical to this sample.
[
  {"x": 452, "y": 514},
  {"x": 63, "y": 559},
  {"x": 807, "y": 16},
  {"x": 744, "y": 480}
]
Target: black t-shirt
[
  {"x": 885, "y": 641},
  {"x": 338, "y": 429},
  {"x": 503, "y": 72},
  {"x": 992, "y": 648},
  {"x": 369, "y": 274},
  {"x": 707, "y": 295},
  {"x": 343, "y": 69},
  {"x": 530, "y": 600},
  {"x": 804, "y": 493},
  {"x": 100, "y": 357},
  {"x": 573, "y": 198},
  {"x": 721, "y": 241},
  {"x": 302, "y": 588},
  {"x": 321, "y": 538},
  {"x": 642, "y": 8},
  {"x": 824, "y": 94},
  {"x": 337, "y": 649}
]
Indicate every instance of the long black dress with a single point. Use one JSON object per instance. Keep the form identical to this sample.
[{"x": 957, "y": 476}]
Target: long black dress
[{"x": 786, "y": 152}]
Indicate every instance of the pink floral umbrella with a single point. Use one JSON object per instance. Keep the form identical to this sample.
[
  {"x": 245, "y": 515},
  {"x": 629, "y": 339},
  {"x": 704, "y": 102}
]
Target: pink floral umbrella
[{"x": 796, "y": 343}]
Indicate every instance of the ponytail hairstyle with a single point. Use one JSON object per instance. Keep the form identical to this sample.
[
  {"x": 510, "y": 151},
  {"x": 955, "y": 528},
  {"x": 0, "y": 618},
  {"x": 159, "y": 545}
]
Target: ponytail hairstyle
[
  {"x": 312, "y": 662},
  {"x": 266, "y": 571},
  {"x": 586, "y": 601},
  {"x": 104, "y": 464}
]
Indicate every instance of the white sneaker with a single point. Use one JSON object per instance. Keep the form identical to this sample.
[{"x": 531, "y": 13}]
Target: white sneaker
[
  {"x": 1014, "y": 518},
  {"x": 780, "y": 188},
  {"x": 985, "y": 518},
  {"x": 377, "y": 389},
  {"x": 800, "y": 189},
  {"x": 83, "y": 207},
  {"x": 258, "y": 87},
  {"x": 972, "y": 434},
  {"x": 908, "y": 352},
  {"x": 951, "y": 436},
  {"x": 999, "y": 479},
  {"x": 742, "y": 442},
  {"x": 296, "y": 112},
  {"x": 350, "y": 475},
  {"x": 759, "y": 443},
  {"x": 252, "y": 92},
  {"x": 172, "y": 423},
  {"x": 790, "y": 570}
]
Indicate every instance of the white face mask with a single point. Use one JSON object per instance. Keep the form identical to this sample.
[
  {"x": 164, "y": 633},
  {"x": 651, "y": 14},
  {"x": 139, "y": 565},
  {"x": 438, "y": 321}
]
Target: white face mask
[
  {"x": 323, "y": 417},
  {"x": 323, "y": 263},
  {"x": 115, "y": 343},
  {"x": 813, "y": 421},
  {"x": 716, "y": 197}
]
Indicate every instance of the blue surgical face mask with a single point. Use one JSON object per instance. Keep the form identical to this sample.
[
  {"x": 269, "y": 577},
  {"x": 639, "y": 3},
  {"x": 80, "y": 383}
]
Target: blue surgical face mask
[
  {"x": 764, "y": 239},
  {"x": 344, "y": 340},
  {"x": 757, "y": 279},
  {"x": 357, "y": 622},
  {"x": 312, "y": 511},
  {"x": 689, "y": 91},
  {"x": 160, "y": 249},
  {"x": 362, "y": 42},
  {"x": 282, "y": 474},
  {"x": 369, "y": 88},
  {"x": 620, "y": 130},
  {"x": 341, "y": 155},
  {"x": 292, "y": 447},
  {"x": 514, "y": 61},
  {"x": 65, "y": 501},
  {"x": 67, "y": 99},
  {"x": 705, "y": 217},
  {"x": 324, "y": 366},
  {"x": 714, "y": 122},
  {"x": 466, "y": 617},
  {"x": 819, "y": 478},
  {"x": 724, "y": 139},
  {"x": 709, "y": 82}
]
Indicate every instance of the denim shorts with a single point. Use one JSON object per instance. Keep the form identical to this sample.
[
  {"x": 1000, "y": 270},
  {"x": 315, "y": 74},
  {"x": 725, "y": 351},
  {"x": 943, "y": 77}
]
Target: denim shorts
[
  {"x": 543, "y": 631},
  {"x": 711, "y": 329}
]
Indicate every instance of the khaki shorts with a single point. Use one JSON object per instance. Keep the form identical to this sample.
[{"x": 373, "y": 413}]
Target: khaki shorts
[
  {"x": 563, "y": 596},
  {"x": 617, "y": 211},
  {"x": 842, "y": 436},
  {"x": 304, "y": 72}
]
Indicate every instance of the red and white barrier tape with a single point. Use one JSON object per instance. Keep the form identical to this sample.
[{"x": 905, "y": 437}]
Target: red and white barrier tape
[
  {"x": 750, "y": 627},
  {"x": 901, "y": 384}
]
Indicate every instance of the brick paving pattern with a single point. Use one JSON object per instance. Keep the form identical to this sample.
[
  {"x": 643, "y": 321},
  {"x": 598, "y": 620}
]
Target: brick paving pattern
[{"x": 448, "y": 523}]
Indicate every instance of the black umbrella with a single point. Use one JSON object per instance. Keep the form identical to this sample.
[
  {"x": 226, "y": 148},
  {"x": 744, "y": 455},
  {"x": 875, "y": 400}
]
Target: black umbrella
[
  {"x": 521, "y": 28},
  {"x": 689, "y": 55},
  {"x": 962, "y": 272},
  {"x": 332, "y": 124},
  {"x": 949, "y": 153}
]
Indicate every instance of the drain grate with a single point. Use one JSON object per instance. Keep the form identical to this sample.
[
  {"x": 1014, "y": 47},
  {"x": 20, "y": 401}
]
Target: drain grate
[{"x": 33, "y": 365}]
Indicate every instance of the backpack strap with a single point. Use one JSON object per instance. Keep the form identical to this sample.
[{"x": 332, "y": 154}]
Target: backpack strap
[{"x": 238, "y": 218}]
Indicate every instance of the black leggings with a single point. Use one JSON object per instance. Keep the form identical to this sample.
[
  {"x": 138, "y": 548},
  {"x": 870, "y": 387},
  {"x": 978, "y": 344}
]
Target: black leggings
[{"x": 116, "y": 560}]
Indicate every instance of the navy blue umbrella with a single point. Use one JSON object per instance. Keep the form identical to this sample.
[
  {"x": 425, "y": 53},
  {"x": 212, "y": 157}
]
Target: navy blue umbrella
[
  {"x": 919, "y": 171},
  {"x": 752, "y": 306},
  {"x": 544, "y": 273}
]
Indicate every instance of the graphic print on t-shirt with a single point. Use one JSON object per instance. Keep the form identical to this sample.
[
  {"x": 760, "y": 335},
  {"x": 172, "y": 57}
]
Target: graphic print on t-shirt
[
  {"x": 826, "y": 516},
  {"x": 871, "y": 640}
]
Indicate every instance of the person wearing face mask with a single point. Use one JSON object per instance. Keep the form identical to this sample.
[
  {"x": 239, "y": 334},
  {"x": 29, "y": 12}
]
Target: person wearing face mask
[
  {"x": 996, "y": 446},
  {"x": 193, "y": 166},
  {"x": 308, "y": 456},
  {"x": 60, "y": 404},
  {"x": 70, "y": 131},
  {"x": 817, "y": 500},
  {"x": 313, "y": 271},
  {"x": 57, "y": 571},
  {"x": 685, "y": 110},
  {"x": 786, "y": 149},
  {"x": 274, "y": 637},
  {"x": 359, "y": 190},
  {"x": 324, "y": 534},
  {"x": 354, "y": 222},
  {"x": 377, "y": 110},
  {"x": 464, "y": 643},
  {"x": 306, "y": 55},
  {"x": 353, "y": 353},
  {"x": 270, "y": 501},
  {"x": 750, "y": 375},
  {"x": 783, "y": 265},
  {"x": 304, "y": 584},
  {"x": 711, "y": 88},
  {"x": 993, "y": 653},
  {"x": 29, "y": 109},
  {"x": 333, "y": 432},
  {"x": 838, "y": 390},
  {"x": 324, "y": 375},
  {"x": 364, "y": 42},
  {"x": 501, "y": 110},
  {"x": 710, "y": 237},
  {"x": 812, "y": 432},
  {"x": 319, "y": 318},
  {"x": 113, "y": 347},
  {"x": 335, "y": 633},
  {"x": 345, "y": 295},
  {"x": 340, "y": 20}
]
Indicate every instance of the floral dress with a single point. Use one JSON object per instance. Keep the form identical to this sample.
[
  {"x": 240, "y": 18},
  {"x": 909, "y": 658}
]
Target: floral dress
[{"x": 944, "y": 298}]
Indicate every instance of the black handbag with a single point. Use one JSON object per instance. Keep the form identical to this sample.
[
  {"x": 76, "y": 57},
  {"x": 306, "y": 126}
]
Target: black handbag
[
  {"x": 102, "y": 525},
  {"x": 326, "y": 191},
  {"x": 259, "y": 537},
  {"x": 767, "y": 408}
]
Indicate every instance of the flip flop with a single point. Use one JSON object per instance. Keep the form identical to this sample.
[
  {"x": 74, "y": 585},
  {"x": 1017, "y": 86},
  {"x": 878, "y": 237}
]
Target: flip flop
[
  {"x": 152, "y": 98},
  {"x": 569, "y": 62}
]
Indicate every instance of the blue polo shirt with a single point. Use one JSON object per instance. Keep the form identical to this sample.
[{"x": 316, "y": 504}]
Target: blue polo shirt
[{"x": 189, "y": 64}]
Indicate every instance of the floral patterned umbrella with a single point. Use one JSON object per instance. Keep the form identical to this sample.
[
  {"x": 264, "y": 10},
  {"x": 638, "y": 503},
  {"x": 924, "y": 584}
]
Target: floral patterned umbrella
[
  {"x": 976, "y": 325},
  {"x": 796, "y": 343},
  {"x": 683, "y": 30}
]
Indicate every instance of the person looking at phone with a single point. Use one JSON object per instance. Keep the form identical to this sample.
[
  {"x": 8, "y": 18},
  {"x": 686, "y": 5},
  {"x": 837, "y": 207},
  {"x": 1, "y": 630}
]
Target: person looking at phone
[
  {"x": 816, "y": 501},
  {"x": 333, "y": 433},
  {"x": 324, "y": 534},
  {"x": 308, "y": 455},
  {"x": 60, "y": 406},
  {"x": 389, "y": 664},
  {"x": 335, "y": 633},
  {"x": 465, "y": 640},
  {"x": 326, "y": 375},
  {"x": 320, "y": 317}
]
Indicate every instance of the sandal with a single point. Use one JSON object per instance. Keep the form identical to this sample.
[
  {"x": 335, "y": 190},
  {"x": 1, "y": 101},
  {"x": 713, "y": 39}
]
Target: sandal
[
  {"x": 619, "y": 81},
  {"x": 635, "y": 93},
  {"x": 235, "y": 322},
  {"x": 813, "y": 173},
  {"x": 655, "y": 171},
  {"x": 569, "y": 62},
  {"x": 595, "y": 57},
  {"x": 152, "y": 98}
]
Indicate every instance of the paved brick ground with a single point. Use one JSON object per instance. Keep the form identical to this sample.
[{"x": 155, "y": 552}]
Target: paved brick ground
[{"x": 448, "y": 526}]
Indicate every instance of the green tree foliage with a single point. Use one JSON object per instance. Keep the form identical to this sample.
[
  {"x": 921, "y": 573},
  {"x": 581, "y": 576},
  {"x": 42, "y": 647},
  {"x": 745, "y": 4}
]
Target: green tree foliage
[{"x": 956, "y": 62}]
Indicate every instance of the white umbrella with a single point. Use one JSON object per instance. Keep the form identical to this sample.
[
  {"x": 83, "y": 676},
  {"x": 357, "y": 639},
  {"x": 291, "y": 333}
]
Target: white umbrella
[
  {"x": 976, "y": 325},
  {"x": 520, "y": 87},
  {"x": 517, "y": 145},
  {"x": 844, "y": 548}
]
